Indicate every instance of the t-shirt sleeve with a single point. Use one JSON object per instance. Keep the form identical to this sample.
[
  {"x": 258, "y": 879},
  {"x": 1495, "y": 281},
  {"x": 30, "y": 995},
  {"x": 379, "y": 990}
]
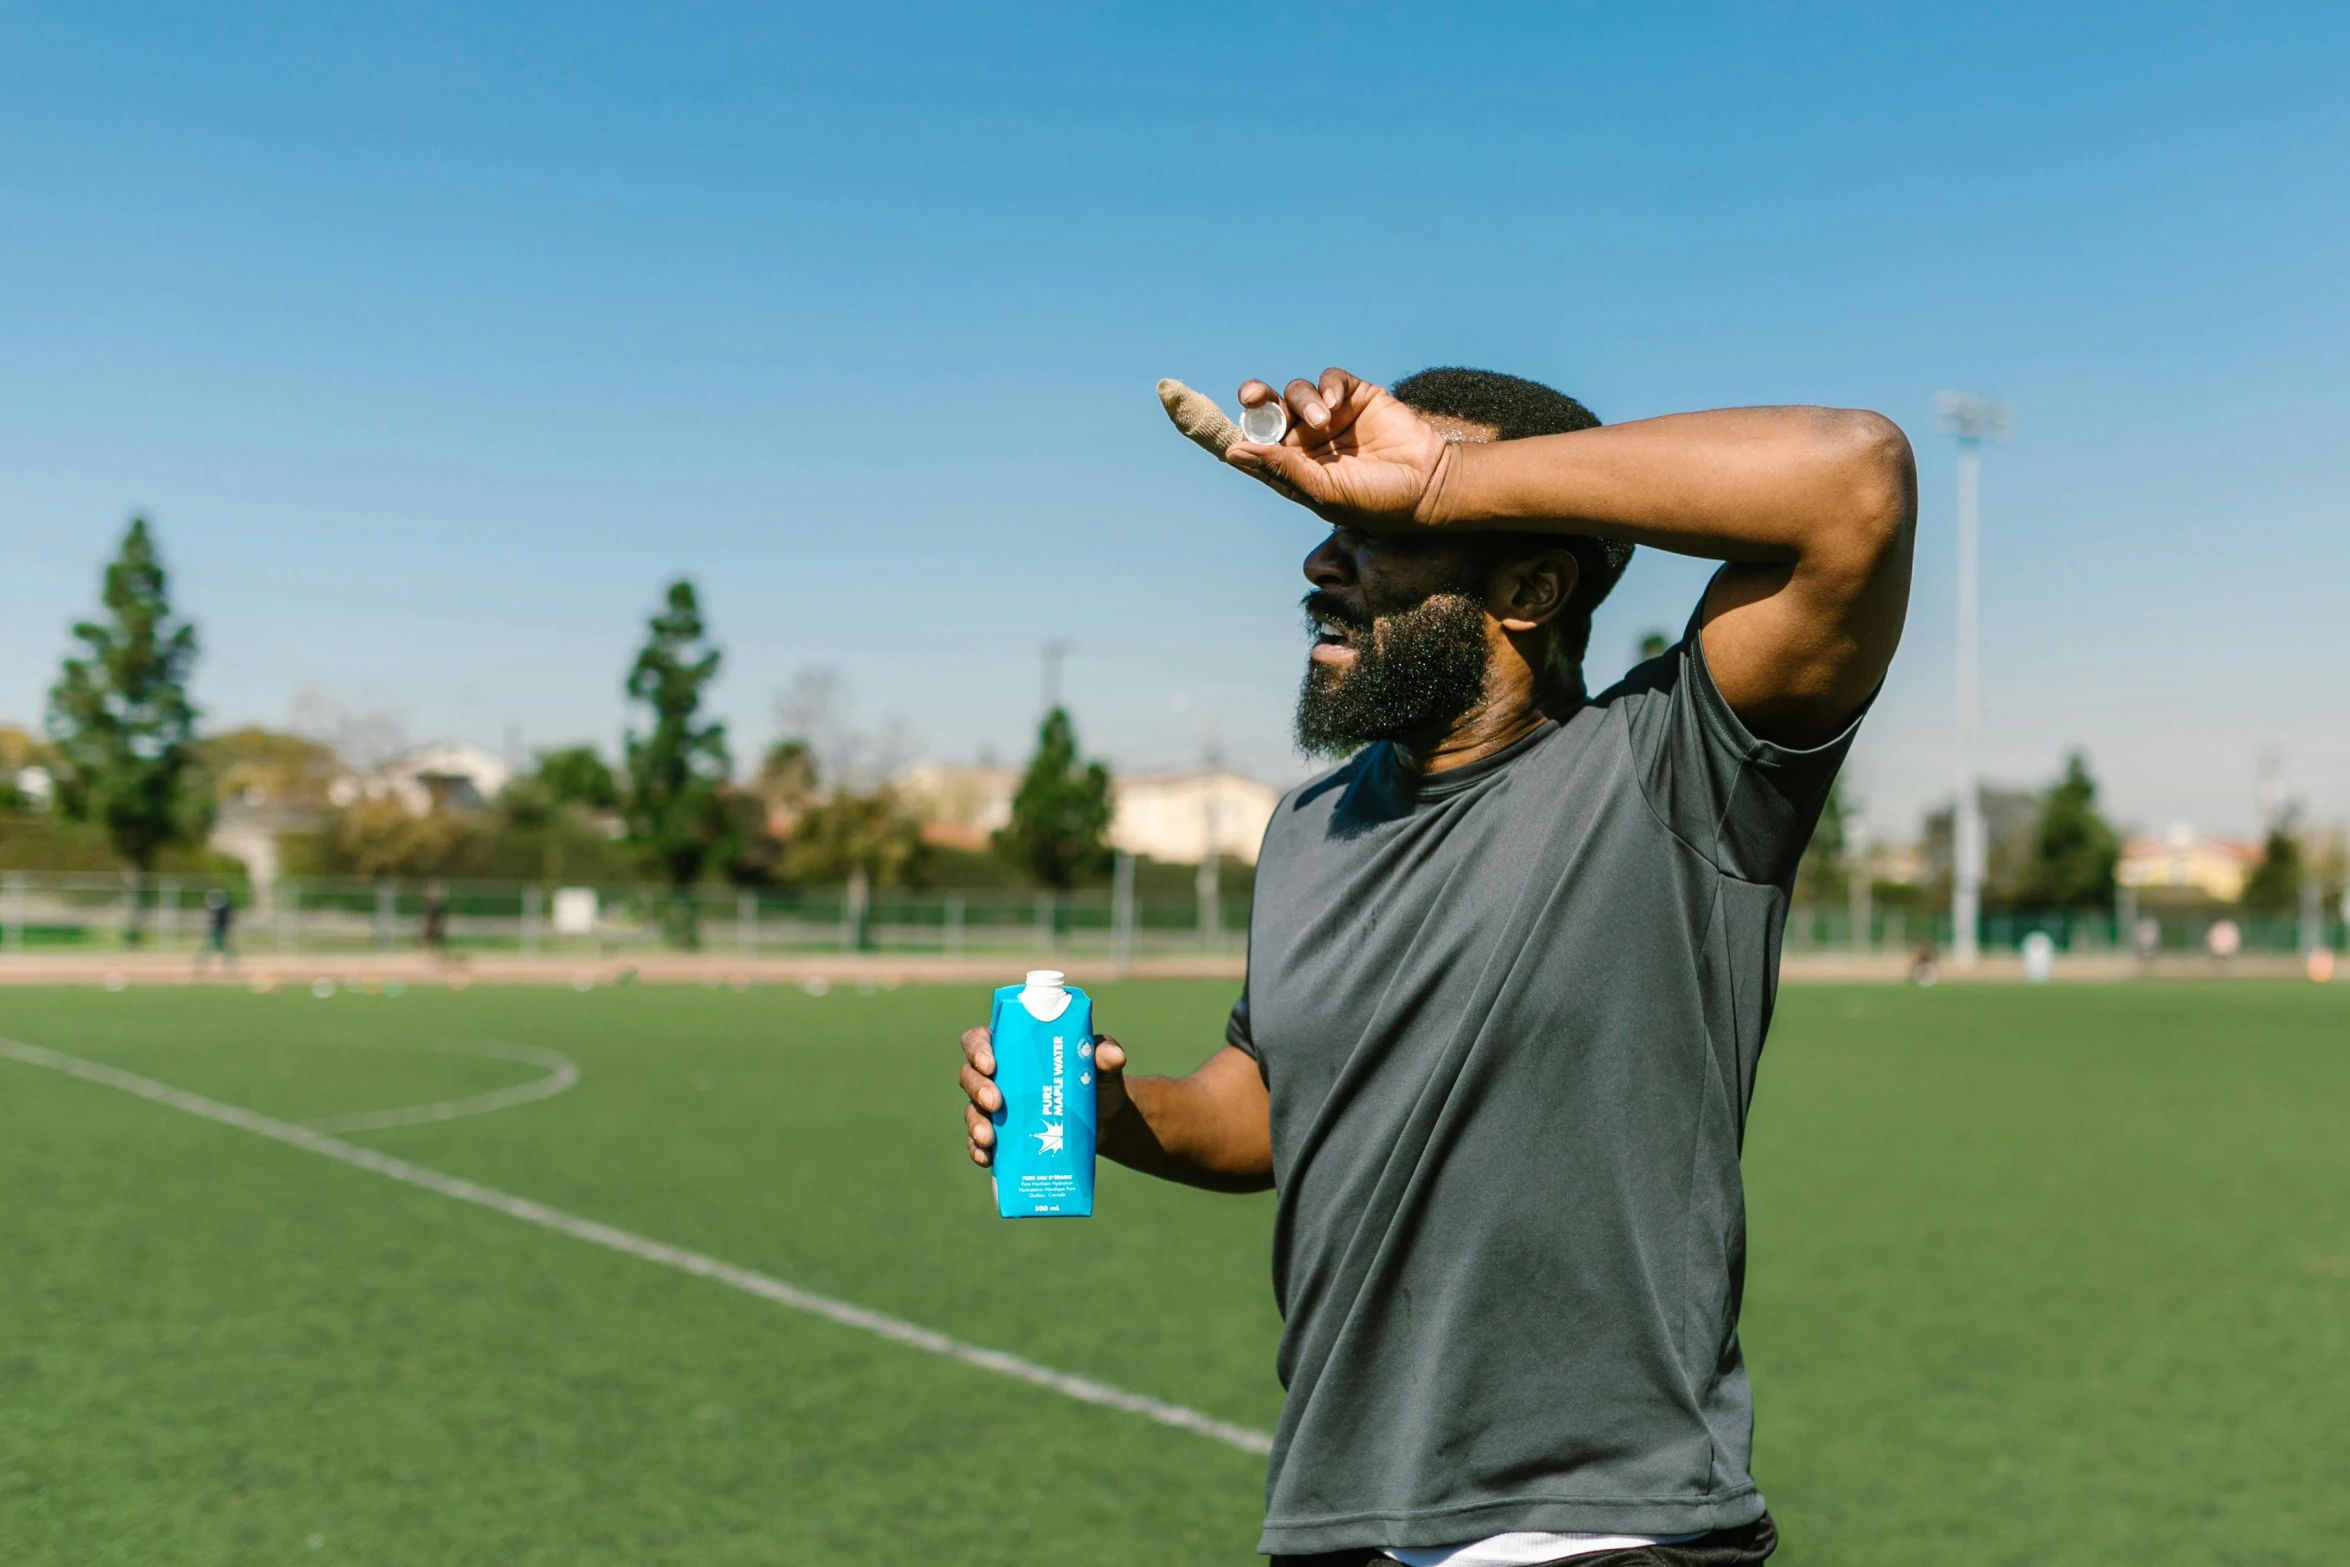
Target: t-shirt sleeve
[
  {"x": 1236, "y": 1032},
  {"x": 1747, "y": 804}
]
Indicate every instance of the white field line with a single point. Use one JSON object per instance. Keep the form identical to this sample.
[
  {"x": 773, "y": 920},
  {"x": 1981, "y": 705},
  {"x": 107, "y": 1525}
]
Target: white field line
[
  {"x": 562, "y": 1073},
  {"x": 897, "y": 1330}
]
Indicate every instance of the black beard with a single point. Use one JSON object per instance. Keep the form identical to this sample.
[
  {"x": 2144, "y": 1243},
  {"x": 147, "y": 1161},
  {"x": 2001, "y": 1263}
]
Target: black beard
[{"x": 1414, "y": 671}]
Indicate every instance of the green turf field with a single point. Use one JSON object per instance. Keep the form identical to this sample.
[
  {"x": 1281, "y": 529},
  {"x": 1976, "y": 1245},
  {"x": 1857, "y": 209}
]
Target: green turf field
[{"x": 2053, "y": 1276}]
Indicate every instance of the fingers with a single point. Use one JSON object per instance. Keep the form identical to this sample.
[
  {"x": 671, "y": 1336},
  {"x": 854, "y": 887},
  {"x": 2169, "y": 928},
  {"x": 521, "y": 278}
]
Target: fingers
[
  {"x": 1109, "y": 1078},
  {"x": 1285, "y": 468},
  {"x": 982, "y": 1098},
  {"x": 1306, "y": 408},
  {"x": 1316, "y": 408},
  {"x": 977, "y": 1043},
  {"x": 981, "y": 1090}
]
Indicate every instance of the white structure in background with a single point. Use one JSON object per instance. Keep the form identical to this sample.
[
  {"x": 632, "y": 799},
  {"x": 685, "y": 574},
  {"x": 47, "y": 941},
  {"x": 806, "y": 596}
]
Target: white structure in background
[
  {"x": 959, "y": 806},
  {"x": 249, "y": 834},
  {"x": 1183, "y": 818},
  {"x": 1170, "y": 817},
  {"x": 38, "y": 785},
  {"x": 2039, "y": 957},
  {"x": 2183, "y": 858},
  {"x": 433, "y": 778},
  {"x": 575, "y": 911},
  {"x": 1973, "y": 420}
]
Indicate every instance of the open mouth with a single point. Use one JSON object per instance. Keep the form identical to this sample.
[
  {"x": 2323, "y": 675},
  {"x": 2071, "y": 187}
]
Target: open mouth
[
  {"x": 1333, "y": 644},
  {"x": 1338, "y": 635}
]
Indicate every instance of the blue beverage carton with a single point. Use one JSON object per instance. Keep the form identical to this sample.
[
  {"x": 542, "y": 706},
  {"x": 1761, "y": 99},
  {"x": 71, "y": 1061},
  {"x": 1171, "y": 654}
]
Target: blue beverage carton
[{"x": 1043, "y": 1042}]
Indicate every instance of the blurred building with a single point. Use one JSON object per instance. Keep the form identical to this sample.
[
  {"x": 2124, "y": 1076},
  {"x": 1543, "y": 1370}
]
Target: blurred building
[
  {"x": 1185, "y": 817},
  {"x": 1174, "y": 817},
  {"x": 433, "y": 778},
  {"x": 2186, "y": 862},
  {"x": 959, "y": 807}
]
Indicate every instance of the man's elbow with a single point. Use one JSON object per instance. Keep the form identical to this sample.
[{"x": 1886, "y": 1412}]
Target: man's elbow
[{"x": 1878, "y": 489}]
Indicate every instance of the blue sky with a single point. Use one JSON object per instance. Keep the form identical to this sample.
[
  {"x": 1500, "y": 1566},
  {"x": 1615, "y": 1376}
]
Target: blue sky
[{"x": 436, "y": 341}]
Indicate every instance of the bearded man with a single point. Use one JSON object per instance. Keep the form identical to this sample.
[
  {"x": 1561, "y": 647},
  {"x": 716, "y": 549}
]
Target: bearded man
[{"x": 1512, "y": 961}]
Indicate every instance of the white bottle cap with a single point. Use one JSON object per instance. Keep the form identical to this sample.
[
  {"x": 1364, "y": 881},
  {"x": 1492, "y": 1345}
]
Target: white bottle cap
[
  {"x": 1044, "y": 996},
  {"x": 1266, "y": 423}
]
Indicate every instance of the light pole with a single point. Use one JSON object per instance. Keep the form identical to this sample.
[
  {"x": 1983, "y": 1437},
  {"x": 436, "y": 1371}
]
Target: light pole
[
  {"x": 1054, "y": 652},
  {"x": 1973, "y": 420}
]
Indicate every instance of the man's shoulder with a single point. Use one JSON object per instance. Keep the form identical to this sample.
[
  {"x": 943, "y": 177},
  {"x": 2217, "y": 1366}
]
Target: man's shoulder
[
  {"x": 1641, "y": 683},
  {"x": 1308, "y": 813},
  {"x": 1325, "y": 789}
]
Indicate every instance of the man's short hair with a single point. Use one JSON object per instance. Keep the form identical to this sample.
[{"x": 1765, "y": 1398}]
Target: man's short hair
[{"x": 1516, "y": 408}]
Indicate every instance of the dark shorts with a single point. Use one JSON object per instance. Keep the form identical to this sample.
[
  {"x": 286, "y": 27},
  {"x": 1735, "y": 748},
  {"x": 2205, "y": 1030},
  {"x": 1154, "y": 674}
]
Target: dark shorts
[{"x": 1740, "y": 1547}]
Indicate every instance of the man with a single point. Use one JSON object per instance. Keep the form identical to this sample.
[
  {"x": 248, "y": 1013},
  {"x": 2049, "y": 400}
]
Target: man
[
  {"x": 218, "y": 913},
  {"x": 436, "y": 919},
  {"x": 1511, "y": 964}
]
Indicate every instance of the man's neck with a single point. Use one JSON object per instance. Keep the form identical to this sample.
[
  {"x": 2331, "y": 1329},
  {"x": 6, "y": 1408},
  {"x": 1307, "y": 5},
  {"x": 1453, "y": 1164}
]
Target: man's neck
[{"x": 1488, "y": 729}]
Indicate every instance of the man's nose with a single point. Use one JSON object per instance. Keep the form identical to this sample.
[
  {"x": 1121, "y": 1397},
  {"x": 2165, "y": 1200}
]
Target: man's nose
[{"x": 1330, "y": 564}]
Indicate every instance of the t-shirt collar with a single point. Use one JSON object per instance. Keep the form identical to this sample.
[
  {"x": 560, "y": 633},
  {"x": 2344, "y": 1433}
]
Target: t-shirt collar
[{"x": 1437, "y": 786}]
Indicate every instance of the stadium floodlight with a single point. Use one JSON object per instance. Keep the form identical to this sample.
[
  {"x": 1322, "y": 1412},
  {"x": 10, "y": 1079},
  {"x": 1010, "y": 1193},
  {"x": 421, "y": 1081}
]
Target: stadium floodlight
[{"x": 1973, "y": 420}]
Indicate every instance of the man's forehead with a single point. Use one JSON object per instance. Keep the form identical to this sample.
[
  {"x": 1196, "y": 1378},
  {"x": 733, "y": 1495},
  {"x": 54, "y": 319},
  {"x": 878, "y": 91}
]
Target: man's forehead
[{"x": 1408, "y": 545}]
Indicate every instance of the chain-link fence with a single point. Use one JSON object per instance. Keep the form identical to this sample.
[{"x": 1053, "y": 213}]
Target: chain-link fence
[
  {"x": 2147, "y": 933},
  {"x": 66, "y": 912},
  {"x": 58, "y": 911}
]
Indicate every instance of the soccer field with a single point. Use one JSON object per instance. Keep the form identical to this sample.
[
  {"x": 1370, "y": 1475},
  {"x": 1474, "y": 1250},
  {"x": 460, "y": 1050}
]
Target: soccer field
[{"x": 2047, "y": 1276}]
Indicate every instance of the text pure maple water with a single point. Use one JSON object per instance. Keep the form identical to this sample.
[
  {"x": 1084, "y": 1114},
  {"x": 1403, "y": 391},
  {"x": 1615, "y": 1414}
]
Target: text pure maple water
[{"x": 1042, "y": 1035}]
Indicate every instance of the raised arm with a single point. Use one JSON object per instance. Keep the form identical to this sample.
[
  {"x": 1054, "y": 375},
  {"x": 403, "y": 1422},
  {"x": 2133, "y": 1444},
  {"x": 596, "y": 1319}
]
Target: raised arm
[
  {"x": 1811, "y": 510},
  {"x": 1213, "y": 1129}
]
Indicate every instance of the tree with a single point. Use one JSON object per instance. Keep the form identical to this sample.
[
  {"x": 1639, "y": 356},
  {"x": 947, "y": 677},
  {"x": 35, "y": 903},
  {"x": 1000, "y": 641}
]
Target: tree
[
  {"x": 1060, "y": 812},
  {"x": 2275, "y": 883},
  {"x": 2074, "y": 849},
  {"x": 20, "y": 753},
  {"x": 270, "y": 767},
  {"x": 674, "y": 805},
  {"x": 873, "y": 833},
  {"x": 1823, "y": 877},
  {"x": 120, "y": 715},
  {"x": 576, "y": 775},
  {"x": 788, "y": 777},
  {"x": 2009, "y": 819}
]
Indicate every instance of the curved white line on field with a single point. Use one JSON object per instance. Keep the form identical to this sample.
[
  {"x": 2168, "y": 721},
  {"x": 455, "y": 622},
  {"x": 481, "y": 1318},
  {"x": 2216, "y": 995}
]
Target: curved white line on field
[
  {"x": 562, "y": 1073},
  {"x": 751, "y": 1282}
]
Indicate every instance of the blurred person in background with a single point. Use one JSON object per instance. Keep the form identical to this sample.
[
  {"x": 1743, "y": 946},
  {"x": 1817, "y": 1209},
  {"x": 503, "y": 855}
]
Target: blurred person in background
[
  {"x": 436, "y": 919},
  {"x": 1512, "y": 961},
  {"x": 219, "y": 915}
]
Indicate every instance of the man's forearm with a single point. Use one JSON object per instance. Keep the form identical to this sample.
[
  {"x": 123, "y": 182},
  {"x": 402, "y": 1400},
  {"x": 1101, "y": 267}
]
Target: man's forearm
[
  {"x": 1755, "y": 485},
  {"x": 1199, "y": 1130}
]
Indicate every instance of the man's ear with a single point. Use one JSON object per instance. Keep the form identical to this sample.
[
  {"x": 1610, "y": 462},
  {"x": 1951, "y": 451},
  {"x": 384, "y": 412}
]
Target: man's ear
[{"x": 1533, "y": 590}]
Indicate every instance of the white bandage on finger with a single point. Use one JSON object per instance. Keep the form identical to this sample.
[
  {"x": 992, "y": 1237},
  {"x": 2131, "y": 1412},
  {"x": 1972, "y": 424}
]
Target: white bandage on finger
[
  {"x": 1197, "y": 416},
  {"x": 1203, "y": 423}
]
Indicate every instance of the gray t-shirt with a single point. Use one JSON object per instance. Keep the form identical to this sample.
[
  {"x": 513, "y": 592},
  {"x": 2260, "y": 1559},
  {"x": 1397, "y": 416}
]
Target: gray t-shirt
[{"x": 1509, "y": 1016}]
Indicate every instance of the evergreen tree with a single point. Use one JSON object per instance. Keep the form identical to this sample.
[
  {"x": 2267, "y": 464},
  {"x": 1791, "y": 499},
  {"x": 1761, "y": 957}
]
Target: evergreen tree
[
  {"x": 675, "y": 806},
  {"x": 788, "y": 778},
  {"x": 873, "y": 833},
  {"x": 576, "y": 775},
  {"x": 1060, "y": 812},
  {"x": 125, "y": 731},
  {"x": 1823, "y": 876},
  {"x": 2275, "y": 883},
  {"x": 2074, "y": 848}
]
